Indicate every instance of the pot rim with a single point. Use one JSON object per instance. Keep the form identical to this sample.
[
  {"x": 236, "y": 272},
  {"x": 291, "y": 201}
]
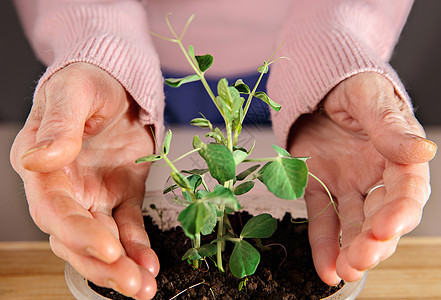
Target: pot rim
[{"x": 79, "y": 288}]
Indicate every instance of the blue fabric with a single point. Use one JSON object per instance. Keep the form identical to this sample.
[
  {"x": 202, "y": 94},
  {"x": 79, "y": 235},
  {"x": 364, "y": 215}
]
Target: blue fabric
[{"x": 186, "y": 102}]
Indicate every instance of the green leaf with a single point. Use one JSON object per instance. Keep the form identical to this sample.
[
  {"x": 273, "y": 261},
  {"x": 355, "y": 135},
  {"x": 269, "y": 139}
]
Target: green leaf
[
  {"x": 208, "y": 250},
  {"x": 201, "y": 123},
  {"x": 226, "y": 237},
  {"x": 204, "y": 62},
  {"x": 169, "y": 189},
  {"x": 242, "y": 284},
  {"x": 264, "y": 97},
  {"x": 151, "y": 158},
  {"x": 180, "y": 180},
  {"x": 197, "y": 142},
  {"x": 195, "y": 171},
  {"x": 243, "y": 188},
  {"x": 217, "y": 135},
  {"x": 239, "y": 148},
  {"x": 195, "y": 181},
  {"x": 260, "y": 226},
  {"x": 263, "y": 68},
  {"x": 201, "y": 193},
  {"x": 261, "y": 172},
  {"x": 281, "y": 151},
  {"x": 167, "y": 141},
  {"x": 193, "y": 56},
  {"x": 244, "y": 174},
  {"x": 239, "y": 156},
  {"x": 194, "y": 217},
  {"x": 187, "y": 196},
  {"x": 220, "y": 161},
  {"x": 211, "y": 220},
  {"x": 242, "y": 87},
  {"x": 237, "y": 126},
  {"x": 222, "y": 195},
  {"x": 286, "y": 177},
  {"x": 223, "y": 91},
  {"x": 237, "y": 109},
  {"x": 191, "y": 254},
  {"x": 244, "y": 259},
  {"x": 177, "y": 82}
]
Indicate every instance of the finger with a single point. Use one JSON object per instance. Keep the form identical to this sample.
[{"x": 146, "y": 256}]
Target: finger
[
  {"x": 398, "y": 142},
  {"x": 350, "y": 208},
  {"x": 122, "y": 275},
  {"x": 323, "y": 231},
  {"x": 343, "y": 268},
  {"x": 65, "y": 110},
  {"x": 148, "y": 285},
  {"x": 58, "y": 129},
  {"x": 133, "y": 236},
  {"x": 365, "y": 252},
  {"x": 368, "y": 102},
  {"x": 408, "y": 189},
  {"x": 54, "y": 210},
  {"x": 394, "y": 130}
]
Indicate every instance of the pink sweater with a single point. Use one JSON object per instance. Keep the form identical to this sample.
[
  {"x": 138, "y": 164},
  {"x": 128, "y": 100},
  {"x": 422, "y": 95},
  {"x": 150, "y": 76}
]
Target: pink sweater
[{"x": 326, "y": 40}]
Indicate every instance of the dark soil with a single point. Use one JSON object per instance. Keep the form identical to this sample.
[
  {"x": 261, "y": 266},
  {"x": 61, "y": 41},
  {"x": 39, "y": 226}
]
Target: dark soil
[{"x": 279, "y": 276}]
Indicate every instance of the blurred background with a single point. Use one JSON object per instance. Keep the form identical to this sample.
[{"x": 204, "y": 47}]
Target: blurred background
[{"x": 416, "y": 59}]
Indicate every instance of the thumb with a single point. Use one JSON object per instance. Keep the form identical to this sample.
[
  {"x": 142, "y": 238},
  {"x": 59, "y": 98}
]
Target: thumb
[
  {"x": 396, "y": 133},
  {"x": 57, "y": 119},
  {"x": 367, "y": 102}
]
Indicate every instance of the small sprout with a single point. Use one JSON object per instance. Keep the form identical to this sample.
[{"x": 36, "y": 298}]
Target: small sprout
[
  {"x": 243, "y": 284},
  {"x": 160, "y": 213}
]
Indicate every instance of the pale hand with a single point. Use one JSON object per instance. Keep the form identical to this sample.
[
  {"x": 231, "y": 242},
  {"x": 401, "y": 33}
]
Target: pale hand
[
  {"x": 76, "y": 155},
  {"x": 365, "y": 136}
]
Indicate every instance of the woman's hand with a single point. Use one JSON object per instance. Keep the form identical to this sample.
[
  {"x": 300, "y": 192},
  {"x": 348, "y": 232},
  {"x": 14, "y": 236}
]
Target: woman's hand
[
  {"x": 366, "y": 136},
  {"x": 76, "y": 155}
]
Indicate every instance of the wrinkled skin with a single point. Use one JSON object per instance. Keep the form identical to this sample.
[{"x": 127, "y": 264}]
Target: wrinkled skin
[
  {"x": 364, "y": 136},
  {"x": 76, "y": 155}
]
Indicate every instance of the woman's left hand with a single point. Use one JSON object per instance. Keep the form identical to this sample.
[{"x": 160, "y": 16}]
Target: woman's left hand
[{"x": 366, "y": 137}]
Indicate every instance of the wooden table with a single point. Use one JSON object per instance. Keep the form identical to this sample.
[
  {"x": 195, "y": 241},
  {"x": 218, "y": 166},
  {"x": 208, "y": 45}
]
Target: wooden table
[{"x": 29, "y": 270}]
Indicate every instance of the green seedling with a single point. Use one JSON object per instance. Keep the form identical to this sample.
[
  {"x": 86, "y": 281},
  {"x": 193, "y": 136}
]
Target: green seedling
[
  {"x": 160, "y": 213},
  {"x": 207, "y": 209}
]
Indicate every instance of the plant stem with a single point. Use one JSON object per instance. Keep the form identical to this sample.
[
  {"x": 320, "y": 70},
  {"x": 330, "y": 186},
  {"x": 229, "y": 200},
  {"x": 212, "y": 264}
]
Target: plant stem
[
  {"x": 186, "y": 154},
  {"x": 197, "y": 245},
  {"x": 170, "y": 163},
  {"x": 219, "y": 244},
  {"x": 229, "y": 135},
  {"x": 331, "y": 200},
  {"x": 205, "y": 185},
  {"x": 178, "y": 40},
  {"x": 251, "y": 95}
]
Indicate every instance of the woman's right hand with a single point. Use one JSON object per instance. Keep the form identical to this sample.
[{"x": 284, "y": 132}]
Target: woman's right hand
[{"x": 76, "y": 155}]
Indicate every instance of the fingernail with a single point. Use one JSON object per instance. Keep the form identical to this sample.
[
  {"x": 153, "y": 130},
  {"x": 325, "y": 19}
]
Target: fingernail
[
  {"x": 418, "y": 137},
  {"x": 39, "y": 146},
  {"x": 98, "y": 255}
]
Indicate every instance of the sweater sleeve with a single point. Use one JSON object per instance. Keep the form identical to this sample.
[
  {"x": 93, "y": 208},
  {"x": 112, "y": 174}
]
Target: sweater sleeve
[
  {"x": 328, "y": 41},
  {"x": 112, "y": 35}
]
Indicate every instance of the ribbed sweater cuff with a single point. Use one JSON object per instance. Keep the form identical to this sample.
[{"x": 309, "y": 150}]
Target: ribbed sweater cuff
[{"x": 319, "y": 60}]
